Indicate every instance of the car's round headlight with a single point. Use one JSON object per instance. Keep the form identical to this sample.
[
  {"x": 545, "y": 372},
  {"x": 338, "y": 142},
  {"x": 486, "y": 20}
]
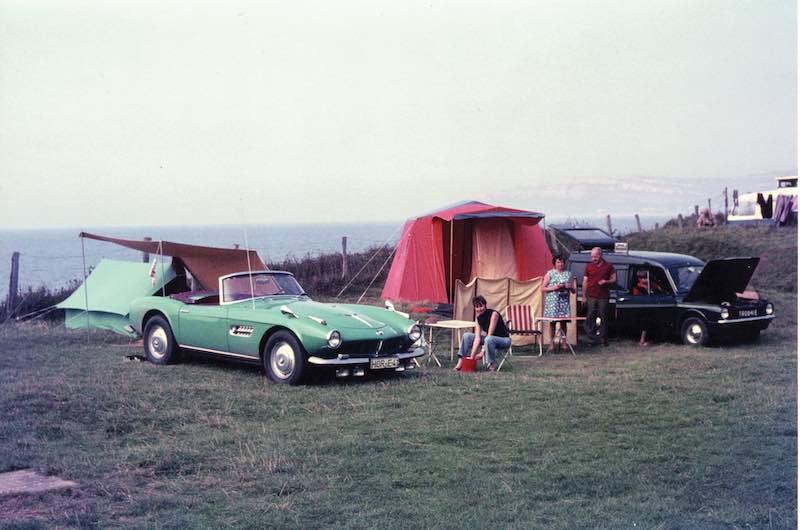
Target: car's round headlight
[
  {"x": 724, "y": 313},
  {"x": 414, "y": 333},
  {"x": 770, "y": 309},
  {"x": 334, "y": 339}
]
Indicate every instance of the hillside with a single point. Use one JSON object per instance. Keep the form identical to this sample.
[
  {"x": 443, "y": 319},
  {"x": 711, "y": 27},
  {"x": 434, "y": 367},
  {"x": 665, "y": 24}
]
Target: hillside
[{"x": 777, "y": 248}]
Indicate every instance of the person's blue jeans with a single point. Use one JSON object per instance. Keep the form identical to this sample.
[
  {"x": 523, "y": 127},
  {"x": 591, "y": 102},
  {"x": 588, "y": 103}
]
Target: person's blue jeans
[{"x": 491, "y": 342}]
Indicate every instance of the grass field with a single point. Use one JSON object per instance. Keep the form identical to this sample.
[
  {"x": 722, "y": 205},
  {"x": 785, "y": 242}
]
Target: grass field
[{"x": 663, "y": 437}]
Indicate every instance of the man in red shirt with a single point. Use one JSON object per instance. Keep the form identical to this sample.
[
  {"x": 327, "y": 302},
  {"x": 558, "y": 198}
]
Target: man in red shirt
[{"x": 597, "y": 279}]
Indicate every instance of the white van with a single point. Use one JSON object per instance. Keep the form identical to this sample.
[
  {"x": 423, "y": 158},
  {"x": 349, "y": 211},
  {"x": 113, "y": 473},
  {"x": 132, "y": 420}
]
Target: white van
[{"x": 747, "y": 210}]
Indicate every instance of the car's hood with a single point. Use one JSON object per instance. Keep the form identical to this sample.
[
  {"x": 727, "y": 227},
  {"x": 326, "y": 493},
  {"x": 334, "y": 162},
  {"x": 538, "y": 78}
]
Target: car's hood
[
  {"x": 721, "y": 279},
  {"x": 335, "y": 316}
]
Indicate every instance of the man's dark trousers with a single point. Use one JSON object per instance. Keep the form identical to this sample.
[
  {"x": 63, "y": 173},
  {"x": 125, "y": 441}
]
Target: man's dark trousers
[{"x": 596, "y": 307}]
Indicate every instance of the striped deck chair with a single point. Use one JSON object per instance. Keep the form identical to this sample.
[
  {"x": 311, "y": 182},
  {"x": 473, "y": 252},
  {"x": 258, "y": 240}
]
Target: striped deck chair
[{"x": 519, "y": 320}]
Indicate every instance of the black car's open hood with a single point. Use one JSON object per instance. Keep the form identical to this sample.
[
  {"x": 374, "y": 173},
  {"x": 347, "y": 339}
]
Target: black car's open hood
[{"x": 721, "y": 279}]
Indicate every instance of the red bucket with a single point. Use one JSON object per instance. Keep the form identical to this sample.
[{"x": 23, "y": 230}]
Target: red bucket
[{"x": 468, "y": 364}]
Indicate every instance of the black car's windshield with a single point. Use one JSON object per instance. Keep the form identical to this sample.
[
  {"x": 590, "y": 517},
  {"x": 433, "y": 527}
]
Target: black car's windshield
[
  {"x": 684, "y": 277},
  {"x": 240, "y": 287}
]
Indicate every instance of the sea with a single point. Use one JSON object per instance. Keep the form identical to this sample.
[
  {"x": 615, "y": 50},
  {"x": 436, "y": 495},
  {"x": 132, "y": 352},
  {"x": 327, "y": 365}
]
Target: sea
[{"x": 56, "y": 257}]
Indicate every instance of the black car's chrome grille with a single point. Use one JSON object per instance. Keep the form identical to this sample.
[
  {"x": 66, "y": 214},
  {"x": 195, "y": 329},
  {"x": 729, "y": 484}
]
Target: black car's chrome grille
[{"x": 374, "y": 348}]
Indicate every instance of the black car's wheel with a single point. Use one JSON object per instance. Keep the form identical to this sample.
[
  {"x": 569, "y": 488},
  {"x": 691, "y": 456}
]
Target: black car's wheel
[
  {"x": 284, "y": 358},
  {"x": 159, "y": 343},
  {"x": 694, "y": 332}
]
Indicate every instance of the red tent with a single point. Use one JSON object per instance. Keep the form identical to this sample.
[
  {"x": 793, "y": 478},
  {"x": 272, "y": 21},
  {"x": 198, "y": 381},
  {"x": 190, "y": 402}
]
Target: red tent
[{"x": 462, "y": 242}]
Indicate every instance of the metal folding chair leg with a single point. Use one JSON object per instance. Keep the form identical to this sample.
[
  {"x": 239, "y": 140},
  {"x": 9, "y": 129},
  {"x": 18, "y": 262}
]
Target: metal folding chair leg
[{"x": 509, "y": 353}]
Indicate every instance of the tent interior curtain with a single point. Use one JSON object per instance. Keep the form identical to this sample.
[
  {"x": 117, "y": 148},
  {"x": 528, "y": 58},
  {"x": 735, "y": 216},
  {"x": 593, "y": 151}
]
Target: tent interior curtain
[{"x": 493, "y": 251}]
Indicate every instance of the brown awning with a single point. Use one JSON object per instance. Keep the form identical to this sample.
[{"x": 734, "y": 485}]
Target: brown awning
[{"x": 206, "y": 264}]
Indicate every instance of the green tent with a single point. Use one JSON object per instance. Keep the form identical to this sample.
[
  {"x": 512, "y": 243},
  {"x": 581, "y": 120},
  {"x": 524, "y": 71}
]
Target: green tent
[{"x": 111, "y": 287}]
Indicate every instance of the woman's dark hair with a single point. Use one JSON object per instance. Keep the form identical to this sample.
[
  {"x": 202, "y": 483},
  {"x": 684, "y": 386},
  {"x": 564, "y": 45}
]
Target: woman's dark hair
[
  {"x": 558, "y": 257},
  {"x": 478, "y": 300}
]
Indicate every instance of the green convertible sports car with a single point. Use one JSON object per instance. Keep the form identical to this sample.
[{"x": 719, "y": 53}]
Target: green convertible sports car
[{"x": 265, "y": 317}]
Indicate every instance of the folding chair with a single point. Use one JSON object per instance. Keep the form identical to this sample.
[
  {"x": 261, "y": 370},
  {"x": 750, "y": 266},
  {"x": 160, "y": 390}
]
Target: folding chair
[{"x": 519, "y": 321}]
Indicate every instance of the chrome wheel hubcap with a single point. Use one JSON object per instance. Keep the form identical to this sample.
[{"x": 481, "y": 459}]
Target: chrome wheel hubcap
[
  {"x": 157, "y": 342},
  {"x": 282, "y": 360},
  {"x": 695, "y": 333}
]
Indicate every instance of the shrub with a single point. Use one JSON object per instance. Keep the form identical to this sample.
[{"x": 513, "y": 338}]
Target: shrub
[
  {"x": 38, "y": 299},
  {"x": 321, "y": 275}
]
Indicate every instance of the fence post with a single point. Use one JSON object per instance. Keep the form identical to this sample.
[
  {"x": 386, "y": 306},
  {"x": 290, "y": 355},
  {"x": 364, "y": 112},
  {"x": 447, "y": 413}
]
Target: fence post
[
  {"x": 608, "y": 223},
  {"x": 13, "y": 284},
  {"x": 696, "y": 211},
  {"x": 145, "y": 255},
  {"x": 726, "y": 206},
  {"x": 638, "y": 224},
  {"x": 345, "y": 272}
]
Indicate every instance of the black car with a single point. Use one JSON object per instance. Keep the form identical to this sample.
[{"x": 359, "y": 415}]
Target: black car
[{"x": 680, "y": 295}]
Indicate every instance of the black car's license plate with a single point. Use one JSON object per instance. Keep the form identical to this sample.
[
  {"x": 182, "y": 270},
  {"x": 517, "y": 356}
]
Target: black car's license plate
[{"x": 379, "y": 364}]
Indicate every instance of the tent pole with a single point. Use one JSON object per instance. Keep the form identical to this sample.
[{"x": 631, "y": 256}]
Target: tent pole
[
  {"x": 85, "y": 287},
  {"x": 249, "y": 267},
  {"x": 452, "y": 280}
]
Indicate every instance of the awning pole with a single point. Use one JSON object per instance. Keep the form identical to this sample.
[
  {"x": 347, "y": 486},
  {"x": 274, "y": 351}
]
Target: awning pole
[
  {"x": 452, "y": 280},
  {"x": 161, "y": 257},
  {"x": 85, "y": 287},
  {"x": 249, "y": 268}
]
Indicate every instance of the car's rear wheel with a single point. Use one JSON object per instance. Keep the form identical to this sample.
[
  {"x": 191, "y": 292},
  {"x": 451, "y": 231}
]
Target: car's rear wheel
[
  {"x": 694, "y": 332},
  {"x": 159, "y": 343},
  {"x": 284, "y": 358}
]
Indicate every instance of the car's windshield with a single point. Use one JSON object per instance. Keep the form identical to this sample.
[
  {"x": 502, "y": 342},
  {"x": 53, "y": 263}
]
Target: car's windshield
[
  {"x": 239, "y": 287},
  {"x": 684, "y": 277}
]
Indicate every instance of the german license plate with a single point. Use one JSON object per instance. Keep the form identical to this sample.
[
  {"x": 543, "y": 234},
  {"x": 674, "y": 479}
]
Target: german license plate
[{"x": 379, "y": 364}]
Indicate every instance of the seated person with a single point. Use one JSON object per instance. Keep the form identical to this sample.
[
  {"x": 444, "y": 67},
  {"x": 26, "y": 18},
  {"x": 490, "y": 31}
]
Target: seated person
[
  {"x": 645, "y": 286},
  {"x": 490, "y": 329}
]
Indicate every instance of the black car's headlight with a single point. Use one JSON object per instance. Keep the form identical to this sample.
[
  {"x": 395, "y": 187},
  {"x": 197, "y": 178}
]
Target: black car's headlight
[
  {"x": 724, "y": 313},
  {"x": 770, "y": 309},
  {"x": 334, "y": 339},
  {"x": 414, "y": 332}
]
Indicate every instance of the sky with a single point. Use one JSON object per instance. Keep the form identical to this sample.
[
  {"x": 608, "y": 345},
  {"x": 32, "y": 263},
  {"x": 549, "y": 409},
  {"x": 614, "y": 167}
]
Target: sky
[{"x": 189, "y": 113}]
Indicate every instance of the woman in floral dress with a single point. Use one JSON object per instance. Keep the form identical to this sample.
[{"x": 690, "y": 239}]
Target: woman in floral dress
[{"x": 557, "y": 286}]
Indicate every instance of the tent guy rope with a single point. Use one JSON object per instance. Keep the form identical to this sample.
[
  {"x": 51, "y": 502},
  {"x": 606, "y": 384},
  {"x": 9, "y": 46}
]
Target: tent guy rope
[
  {"x": 377, "y": 274},
  {"x": 383, "y": 246}
]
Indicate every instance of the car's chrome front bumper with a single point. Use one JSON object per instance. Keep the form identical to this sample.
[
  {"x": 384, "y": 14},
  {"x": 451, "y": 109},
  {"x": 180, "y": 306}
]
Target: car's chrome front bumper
[
  {"x": 748, "y": 319},
  {"x": 344, "y": 359}
]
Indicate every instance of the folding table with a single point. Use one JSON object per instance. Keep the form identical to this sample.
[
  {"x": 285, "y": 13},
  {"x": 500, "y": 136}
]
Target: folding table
[{"x": 453, "y": 326}]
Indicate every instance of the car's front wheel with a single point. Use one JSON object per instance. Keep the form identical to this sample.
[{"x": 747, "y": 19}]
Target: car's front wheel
[
  {"x": 694, "y": 332},
  {"x": 284, "y": 358},
  {"x": 159, "y": 343}
]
